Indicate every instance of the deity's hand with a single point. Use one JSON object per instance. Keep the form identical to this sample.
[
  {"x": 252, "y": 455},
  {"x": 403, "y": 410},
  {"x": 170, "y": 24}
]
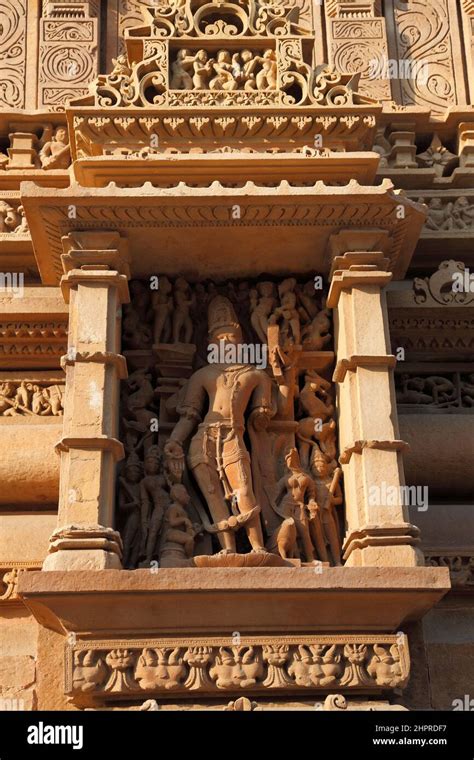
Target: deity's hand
[
  {"x": 260, "y": 419},
  {"x": 174, "y": 457}
]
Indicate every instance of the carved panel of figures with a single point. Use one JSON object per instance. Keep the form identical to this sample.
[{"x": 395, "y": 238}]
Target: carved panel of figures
[
  {"x": 228, "y": 425},
  {"x": 446, "y": 391},
  {"x": 30, "y": 398},
  {"x": 68, "y": 51}
]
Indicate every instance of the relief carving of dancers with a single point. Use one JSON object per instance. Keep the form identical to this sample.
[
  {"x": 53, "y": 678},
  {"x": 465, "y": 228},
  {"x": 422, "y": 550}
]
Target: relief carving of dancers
[{"x": 218, "y": 457}]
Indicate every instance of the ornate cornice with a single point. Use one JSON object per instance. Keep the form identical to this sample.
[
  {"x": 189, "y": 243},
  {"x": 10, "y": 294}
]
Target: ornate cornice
[{"x": 185, "y": 215}]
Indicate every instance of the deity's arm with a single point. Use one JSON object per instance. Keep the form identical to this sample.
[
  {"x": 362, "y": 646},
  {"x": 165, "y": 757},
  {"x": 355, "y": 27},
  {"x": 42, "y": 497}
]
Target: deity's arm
[
  {"x": 262, "y": 407},
  {"x": 190, "y": 409}
]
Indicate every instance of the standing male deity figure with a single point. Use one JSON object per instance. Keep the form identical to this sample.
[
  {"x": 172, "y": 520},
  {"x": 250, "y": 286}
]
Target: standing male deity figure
[{"x": 218, "y": 456}]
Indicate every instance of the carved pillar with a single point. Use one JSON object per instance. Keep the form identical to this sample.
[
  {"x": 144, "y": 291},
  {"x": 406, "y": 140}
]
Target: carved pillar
[
  {"x": 95, "y": 285},
  {"x": 378, "y": 533},
  {"x": 357, "y": 42}
]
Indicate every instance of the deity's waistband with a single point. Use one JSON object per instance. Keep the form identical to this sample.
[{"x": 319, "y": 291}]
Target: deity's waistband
[{"x": 226, "y": 424}]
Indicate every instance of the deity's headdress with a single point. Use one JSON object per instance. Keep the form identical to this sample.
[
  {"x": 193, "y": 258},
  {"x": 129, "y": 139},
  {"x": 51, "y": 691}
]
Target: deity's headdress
[
  {"x": 153, "y": 454},
  {"x": 221, "y": 315}
]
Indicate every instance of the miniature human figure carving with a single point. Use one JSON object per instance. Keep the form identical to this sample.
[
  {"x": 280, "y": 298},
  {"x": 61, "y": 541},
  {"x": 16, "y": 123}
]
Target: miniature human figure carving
[
  {"x": 411, "y": 391},
  {"x": 463, "y": 213},
  {"x": 182, "y": 323},
  {"x": 218, "y": 455},
  {"x": 23, "y": 228},
  {"x": 55, "y": 153},
  {"x": 153, "y": 500},
  {"x": 328, "y": 495},
  {"x": 308, "y": 309},
  {"x": 249, "y": 62},
  {"x": 181, "y": 78},
  {"x": 178, "y": 530},
  {"x": 439, "y": 217},
  {"x": 136, "y": 335},
  {"x": 287, "y": 314},
  {"x": 224, "y": 79},
  {"x": 262, "y": 310},
  {"x": 316, "y": 335},
  {"x": 266, "y": 78},
  {"x": 9, "y": 218},
  {"x": 138, "y": 417},
  {"x": 39, "y": 403},
  {"x": 129, "y": 506},
  {"x": 297, "y": 489},
  {"x": 7, "y": 399},
  {"x": 316, "y": 402},
  {"x": 162, "y": 305},
  {"x": 441, "y": 388},
  {"x": 203, "y": 68},
  {"x": 53, "y": 396}
]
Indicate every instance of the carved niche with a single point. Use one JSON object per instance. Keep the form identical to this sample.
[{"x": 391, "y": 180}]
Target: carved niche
[
  {"x": 227, "y": 419},
  {"x": 239, "y": 53}
]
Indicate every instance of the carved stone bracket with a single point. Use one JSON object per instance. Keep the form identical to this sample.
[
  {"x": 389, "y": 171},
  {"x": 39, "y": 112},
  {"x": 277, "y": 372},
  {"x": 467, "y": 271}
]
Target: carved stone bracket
[{"x": 9, "y": 574}]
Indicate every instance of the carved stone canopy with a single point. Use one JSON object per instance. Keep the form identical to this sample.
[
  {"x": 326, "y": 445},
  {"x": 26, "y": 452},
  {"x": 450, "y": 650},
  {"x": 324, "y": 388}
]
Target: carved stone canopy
[{"x": 226, "y": 232}]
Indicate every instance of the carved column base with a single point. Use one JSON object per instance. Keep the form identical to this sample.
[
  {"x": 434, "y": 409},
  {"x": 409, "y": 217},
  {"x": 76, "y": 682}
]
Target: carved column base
[
  {"x": 388, "y": 545},
  {"x": 84, "y": 547}
]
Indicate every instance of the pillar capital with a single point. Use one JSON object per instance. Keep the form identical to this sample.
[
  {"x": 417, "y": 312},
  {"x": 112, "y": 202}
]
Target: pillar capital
[{"x": 357, "y": 269}]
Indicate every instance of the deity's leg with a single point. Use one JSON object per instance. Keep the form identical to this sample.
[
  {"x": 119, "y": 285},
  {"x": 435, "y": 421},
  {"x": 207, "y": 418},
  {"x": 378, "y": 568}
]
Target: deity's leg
[
  {"x": 211, "y": 488},
  {"x": 239, "y": 475}
]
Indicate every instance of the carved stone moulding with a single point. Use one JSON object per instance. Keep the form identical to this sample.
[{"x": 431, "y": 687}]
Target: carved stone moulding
[
  {"x": 118, "y": 669},
  {"x": 146, "y": 132},
  {"x": 244, "y": 221},
  {"x": 197, "y": 19},
  {"x": 231, "y": 167},
  {"x": 33, "y": 329},
  {"x": 214, "y": 602},
  {"x": 431, "y": 321},
  {"x": 459, "y": 562},
  {"x": 450, "y": 222}
]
